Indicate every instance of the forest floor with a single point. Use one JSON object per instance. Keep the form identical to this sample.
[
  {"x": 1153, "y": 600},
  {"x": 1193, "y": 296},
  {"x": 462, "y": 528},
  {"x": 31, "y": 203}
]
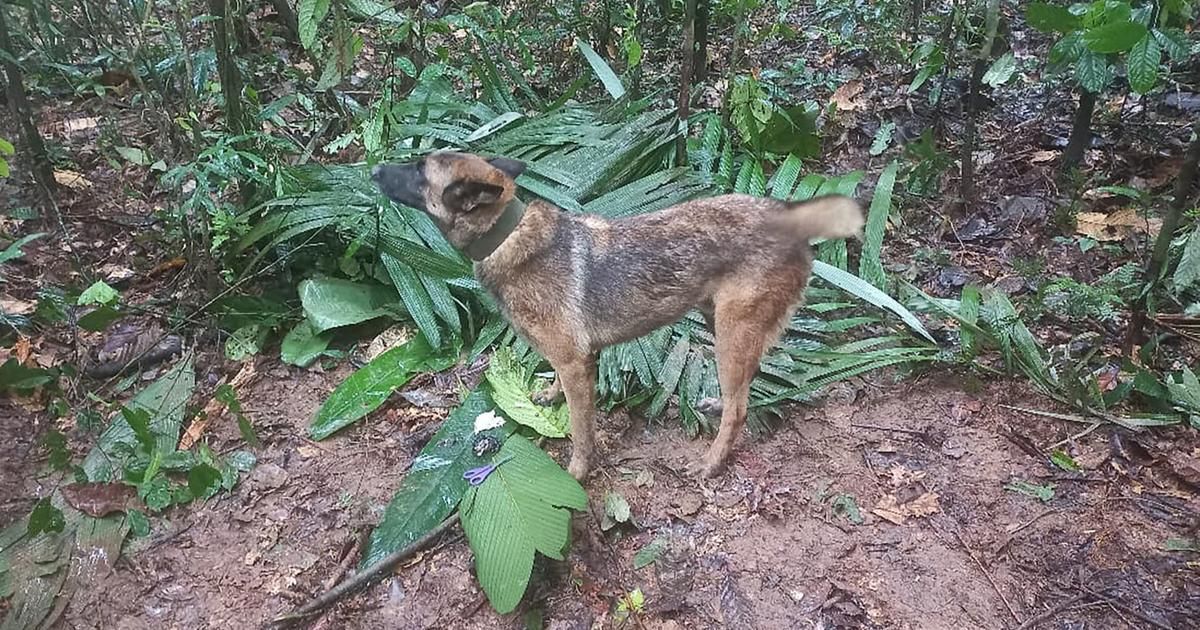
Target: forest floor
[{"x": 804, "y": 531}]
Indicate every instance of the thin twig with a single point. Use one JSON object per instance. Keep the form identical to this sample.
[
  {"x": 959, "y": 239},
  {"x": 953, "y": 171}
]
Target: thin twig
[
  {"x": 1125, "y": 609},
  {"x": 984, "y": 571},
  {"x": 1061, "y": 607},
  {"x": 896, "y": 429},
  {"x": 362, "y": 578}
]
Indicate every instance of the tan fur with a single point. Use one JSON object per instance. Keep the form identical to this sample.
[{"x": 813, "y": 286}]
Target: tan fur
[{"x": 573, "y": 284}]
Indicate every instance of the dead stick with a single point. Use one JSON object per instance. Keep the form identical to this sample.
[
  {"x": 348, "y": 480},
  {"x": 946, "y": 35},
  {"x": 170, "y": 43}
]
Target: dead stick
[
  {"x": 984, "y": 571},
  {"x": 1125, "y": 609},
  {"x": 1033, "y": 621},
  {"x": 360, "y": 579}
]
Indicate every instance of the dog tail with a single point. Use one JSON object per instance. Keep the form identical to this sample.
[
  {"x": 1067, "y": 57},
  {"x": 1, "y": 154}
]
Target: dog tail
[{"x": 831, "y": 216}]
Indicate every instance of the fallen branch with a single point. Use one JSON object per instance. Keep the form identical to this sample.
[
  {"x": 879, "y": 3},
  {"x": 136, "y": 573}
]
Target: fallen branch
[{"x": 362, "y": 578}]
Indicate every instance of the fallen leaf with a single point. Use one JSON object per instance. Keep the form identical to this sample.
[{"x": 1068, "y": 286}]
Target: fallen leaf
[
  {"x": 902, "y": 476},
  {"x": 890, "y": 509},
  {"x": 71, "y": 179},
  {"x": 1115, "y": 226},
  {"x": 1043, "y": 156},
  {"x": 386, "y": 340},
  {"x": 215, "y": 406},
  {"x": 22, "y": 349},
  {"x": 99, "y": 499},
  {"x": 844, "y": 97}
]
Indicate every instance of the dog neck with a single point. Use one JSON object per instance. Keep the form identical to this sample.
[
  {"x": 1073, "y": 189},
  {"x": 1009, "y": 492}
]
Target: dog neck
[{"x": 490, "y": 240}]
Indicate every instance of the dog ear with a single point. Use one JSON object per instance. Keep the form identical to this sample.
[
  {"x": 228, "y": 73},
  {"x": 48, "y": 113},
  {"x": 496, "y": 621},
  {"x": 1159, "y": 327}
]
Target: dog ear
[
  {"x": 512, "y": 168},
  {"x": 465, "y": 196}
]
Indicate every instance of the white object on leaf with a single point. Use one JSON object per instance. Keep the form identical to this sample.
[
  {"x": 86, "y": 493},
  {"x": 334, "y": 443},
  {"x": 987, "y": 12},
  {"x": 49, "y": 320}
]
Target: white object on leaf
[{"x": 487, "y": 420}]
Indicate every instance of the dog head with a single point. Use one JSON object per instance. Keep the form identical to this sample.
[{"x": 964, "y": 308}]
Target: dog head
[{"x": 463, "y": 193}]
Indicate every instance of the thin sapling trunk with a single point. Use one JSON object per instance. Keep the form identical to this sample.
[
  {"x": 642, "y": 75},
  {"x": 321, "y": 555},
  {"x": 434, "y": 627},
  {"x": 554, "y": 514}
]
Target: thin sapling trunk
[
  {"x": 685, "y": 80},
  {"x": 1081, "y": 130}
]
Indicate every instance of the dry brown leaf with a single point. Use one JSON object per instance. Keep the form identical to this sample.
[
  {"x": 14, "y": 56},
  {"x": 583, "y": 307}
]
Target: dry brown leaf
[
  {"x": 846, "y": 94},
  {"x": 215, "y": 407},
  {"x": 1043, "y": 156},
  {"x": 890, "y": 510},
  {"x": 387, "y": 340},
  {"x": 902, "y": 476},
  {"x": 99, "y": 499},
  {"x": 73, "y": 125},
  {"x": 22, "y": 349},
  {"x": 13, "y": 306},
  {"x": 71, "y": 179},
  {"x": 1115, "y": 226}
]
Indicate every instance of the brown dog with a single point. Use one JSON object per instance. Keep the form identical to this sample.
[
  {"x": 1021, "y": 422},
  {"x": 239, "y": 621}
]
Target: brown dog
[{"x": 573, "y": 284}]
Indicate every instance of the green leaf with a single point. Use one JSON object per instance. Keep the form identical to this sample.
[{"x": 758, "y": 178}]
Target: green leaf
[
  {"x": 519, "y": 509},
  {"x": 164, "y": 400},
  {"x": 377, "y": 11},
  {"x": 44, "y": 518},
  {"x": 302, "y": 345},
  {"x": 332, "y": 302},
  {"x": 134, "y": 155},
  {"x": 13, "y": 251},
  {"x": 245, "y": 342},
  {"x": 603, "y": 71},
  {"x": 6, "y": 147},
  {"x": 204, "y": 481},
  {"x": 1182, "y": 544},
  {"x": 99, "y": 319},
  {"x": 511, "y": 393},
  {"x": 434, "y": 483},
  {"x": 139, "y": 422},
  {"x": 1050, "y": 18},
  {"x": 870, "y": 266},
  {"x": 858, "y": 288},
  {"x": 17, "y": 377},
  {"x": 1064, "y": 461},
  {"x": 415, "y": 297},
  {"x": 616, "y": 510},
  {"x": 368, "y": 388},
  {"x": 98, "y": 293},
  {"x": 139, "y": 525},
  {"x": 969, "y": 313},
  {"x": 1173, "y": 41},
  {"x": 1092, "y": 72},
  {"x": 650, "y": 553},
  {"x": 1188, "y": 270},
  {"x": 883, "y": 138},
  {"x": 1040, "y": 492},
  {"x": 1001, "y": 71},
  {"x": 845, "y": 505},
  {"x": 1142, "y": 64},
  {"x": 309, "y": 13},
  {"x": 1114, "y": 37}
]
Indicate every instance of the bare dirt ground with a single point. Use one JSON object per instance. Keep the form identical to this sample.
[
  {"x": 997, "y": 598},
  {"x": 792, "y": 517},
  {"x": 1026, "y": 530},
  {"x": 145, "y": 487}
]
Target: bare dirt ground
[{"x": 760, "y": 547}]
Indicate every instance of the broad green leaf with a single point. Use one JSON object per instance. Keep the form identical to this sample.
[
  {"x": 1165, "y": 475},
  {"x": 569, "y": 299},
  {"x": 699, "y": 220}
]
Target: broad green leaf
[
  {"x": 650, "y": 553},
  {"x": 512, "y": 395},
  {"x": 309, "y": 14},
  {"x": 1188, "y": 271},
  {"x": 415, "y": 297},
  {"x": 18, "y": 377},
  {"x": 1114, "y": 37},
  {"x": 4, "y": 169},
  {"x": 164, "y": 400},
  {"x": 1064, "y": 461},
  {"x": 1092, "y": 72},
  {"x": 1142, "y": 64},
  {"x": 1050, "y": 18},
  {"x": 134, "y": 155},
  {"x": 492, "y": 126},
  {"x": 6, "y": 147},
  {"x": 45, "y": 518},
  {"x": 870, "y": 266},
  {"x": 332, "y": 302},
  {"x": 368, "y": 388},
  {"x": 1173, "y": 41},
  {"x": 883, "y": 138},
  {"x": 98, "y": 293},
  {"x": 603, "y": 71},
  {"x": 99, "y": 319},
  {"x": 858, "y": 288},
  {"x": 302, "y": 345},
  {"x": 1001, "y": 71},
  {"x": 245, "y": 342},
  {"x": 377, "y": 11},
  {"x": 204, "y": 481},
  {"x": 616, "y": 510},
  {"x": 522, "y": 507},
  {"x": 969, "y": 313}
]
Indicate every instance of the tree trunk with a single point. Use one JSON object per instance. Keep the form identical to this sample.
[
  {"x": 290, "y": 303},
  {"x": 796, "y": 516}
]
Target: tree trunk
[
  {"x": 1158, "y": 259},
  {"x": 1081, "y": 130},
  {"x": 685, "y": 80},
  {"x": 287, "y": 17},
  {"x": 966, "y": 180},
  {"x": 914, "y": 19},
  {"x": 231, "y": 77},
  {"x": 43, "y": 173},
  {"x": 735, "y": 64},
  {"x": 604, "y": 28},
  {"x": 700, "y": 62},
  {"x": 635, "y": 73}
]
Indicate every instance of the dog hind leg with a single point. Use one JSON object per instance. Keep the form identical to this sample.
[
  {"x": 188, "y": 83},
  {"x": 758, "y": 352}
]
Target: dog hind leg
[{"x": 748, "y": 320}]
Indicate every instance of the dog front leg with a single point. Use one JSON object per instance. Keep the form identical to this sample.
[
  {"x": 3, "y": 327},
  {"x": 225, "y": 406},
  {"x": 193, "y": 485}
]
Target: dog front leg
[
  {"x": 550, "y": 396},
  {"x": 578, "y": 380}
]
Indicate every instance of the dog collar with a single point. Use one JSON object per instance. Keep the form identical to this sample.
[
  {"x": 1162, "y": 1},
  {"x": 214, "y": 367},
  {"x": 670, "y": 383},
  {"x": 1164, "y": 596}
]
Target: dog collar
[{"x": 483, "y": 246}]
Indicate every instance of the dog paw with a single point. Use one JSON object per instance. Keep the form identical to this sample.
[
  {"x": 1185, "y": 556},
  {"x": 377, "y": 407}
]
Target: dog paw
[
  {"x": 579, "y": 468},
  {"x": 705, "y": 469},
  {"x": 710, "y": 407}
]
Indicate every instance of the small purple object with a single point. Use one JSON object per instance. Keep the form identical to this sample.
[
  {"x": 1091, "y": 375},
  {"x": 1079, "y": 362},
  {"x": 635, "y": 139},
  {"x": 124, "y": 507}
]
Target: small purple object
[{"x": 476, "y": 476}]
